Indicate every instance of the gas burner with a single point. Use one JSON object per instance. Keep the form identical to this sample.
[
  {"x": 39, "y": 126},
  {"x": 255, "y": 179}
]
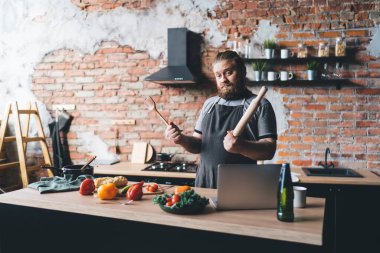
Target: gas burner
[{"x": 172, "y": 167}]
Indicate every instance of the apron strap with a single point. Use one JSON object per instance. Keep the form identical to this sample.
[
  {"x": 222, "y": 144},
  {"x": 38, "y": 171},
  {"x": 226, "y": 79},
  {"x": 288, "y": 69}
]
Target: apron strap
[{"x": 213, "y": 105}]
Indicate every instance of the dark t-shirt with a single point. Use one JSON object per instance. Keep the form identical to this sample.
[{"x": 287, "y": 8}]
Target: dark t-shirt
[{"x": 262, "y": 124}]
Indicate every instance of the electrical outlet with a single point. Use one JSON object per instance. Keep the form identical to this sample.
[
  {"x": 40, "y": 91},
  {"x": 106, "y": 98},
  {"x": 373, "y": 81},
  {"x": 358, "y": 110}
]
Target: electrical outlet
[
  {"x": 125, "y": 122},
  {"x": 66, "y": 107}
]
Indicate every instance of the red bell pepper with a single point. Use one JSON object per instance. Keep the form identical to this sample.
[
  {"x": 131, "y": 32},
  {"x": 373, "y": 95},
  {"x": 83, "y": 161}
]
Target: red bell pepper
[{"x": 135, "y": 192}]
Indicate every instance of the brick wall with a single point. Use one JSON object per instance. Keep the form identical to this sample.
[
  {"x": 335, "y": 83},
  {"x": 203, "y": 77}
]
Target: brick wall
[{"x": 109, "y": 85}]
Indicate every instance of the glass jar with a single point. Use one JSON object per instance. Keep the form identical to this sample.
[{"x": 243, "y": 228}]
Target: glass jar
[
  {"x": 302, "y": 51},
  {"x": 248, "y": 49},
  {"x": 340, "y": 47},
  {"x": 323, "y": 49},
  {"x": 236, "y": 46}
]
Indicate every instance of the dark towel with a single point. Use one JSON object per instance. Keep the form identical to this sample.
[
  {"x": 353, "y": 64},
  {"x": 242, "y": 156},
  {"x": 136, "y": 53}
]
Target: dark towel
[{"x": 58, "y": 184}]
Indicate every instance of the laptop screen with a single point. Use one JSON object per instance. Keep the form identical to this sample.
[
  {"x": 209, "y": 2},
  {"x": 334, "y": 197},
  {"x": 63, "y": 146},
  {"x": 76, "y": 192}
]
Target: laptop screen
[{"x": 247, "y": 186}]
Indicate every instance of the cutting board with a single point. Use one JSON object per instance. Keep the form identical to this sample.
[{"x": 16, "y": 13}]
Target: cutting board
[
  {"x": 149, "y": 153},
  {"x": 142, "y": 152},
  {"x": 139, "y": 152}
]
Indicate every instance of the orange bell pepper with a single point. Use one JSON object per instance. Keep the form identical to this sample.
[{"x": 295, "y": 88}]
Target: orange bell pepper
[
  {"x": 107, "y": 191},
  {"x": 179, "y": 189}
]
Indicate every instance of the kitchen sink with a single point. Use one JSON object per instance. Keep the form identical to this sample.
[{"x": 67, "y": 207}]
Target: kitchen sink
[{"x": 334, "y": 172}]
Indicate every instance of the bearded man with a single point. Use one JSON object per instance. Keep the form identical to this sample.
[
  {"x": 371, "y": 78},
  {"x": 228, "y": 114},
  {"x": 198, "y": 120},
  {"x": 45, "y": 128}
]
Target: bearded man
[{"x": 213, "y": 137}]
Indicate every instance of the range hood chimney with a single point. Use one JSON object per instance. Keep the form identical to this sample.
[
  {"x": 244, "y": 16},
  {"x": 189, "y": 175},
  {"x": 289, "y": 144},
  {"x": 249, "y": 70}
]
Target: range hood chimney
[{"x": 177, "y": 71}]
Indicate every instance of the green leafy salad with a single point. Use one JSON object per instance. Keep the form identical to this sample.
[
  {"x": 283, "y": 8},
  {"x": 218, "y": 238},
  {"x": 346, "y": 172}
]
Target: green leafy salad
[{"x": 186, "y": 199}]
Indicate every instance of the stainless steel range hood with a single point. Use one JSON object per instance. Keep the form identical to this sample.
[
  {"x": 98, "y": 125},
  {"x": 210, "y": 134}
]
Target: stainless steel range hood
[{"x": 177, "y": 70}]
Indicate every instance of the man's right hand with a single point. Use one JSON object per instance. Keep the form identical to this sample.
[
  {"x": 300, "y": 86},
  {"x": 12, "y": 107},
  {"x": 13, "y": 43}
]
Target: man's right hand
[{"x": 173, "y": 133}]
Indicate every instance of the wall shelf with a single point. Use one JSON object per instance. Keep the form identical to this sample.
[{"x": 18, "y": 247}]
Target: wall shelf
[
  {"x": 338, "y": 83},
  {"x": 295, "y": 60}
]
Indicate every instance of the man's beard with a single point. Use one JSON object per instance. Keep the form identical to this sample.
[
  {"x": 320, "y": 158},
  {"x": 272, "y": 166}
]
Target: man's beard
[{"x": 230, "y": 92}]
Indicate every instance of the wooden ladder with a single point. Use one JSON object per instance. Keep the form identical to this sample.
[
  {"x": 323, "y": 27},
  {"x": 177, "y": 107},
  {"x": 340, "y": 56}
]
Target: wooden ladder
[{"x": 22, "y": 138}]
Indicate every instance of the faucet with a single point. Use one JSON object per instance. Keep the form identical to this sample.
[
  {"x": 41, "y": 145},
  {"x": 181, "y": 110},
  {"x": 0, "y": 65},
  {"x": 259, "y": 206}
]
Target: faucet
[
  {"x": 327, "y": 152},
  {"x": 325, "y": 164}
]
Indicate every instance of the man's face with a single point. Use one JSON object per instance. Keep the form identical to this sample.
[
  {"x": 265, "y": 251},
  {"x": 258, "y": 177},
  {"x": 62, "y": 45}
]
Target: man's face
[{"x": 228, "y": 79}]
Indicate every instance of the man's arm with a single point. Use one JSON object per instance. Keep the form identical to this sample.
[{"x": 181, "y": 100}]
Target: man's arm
[{"x": 263, "y": 149}]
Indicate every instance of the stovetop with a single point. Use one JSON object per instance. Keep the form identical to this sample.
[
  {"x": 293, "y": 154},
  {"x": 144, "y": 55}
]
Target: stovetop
[{"x": 172, "y": 167}]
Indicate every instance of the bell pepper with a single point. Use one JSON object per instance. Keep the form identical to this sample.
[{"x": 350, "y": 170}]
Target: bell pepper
[
  {"x": 107, "y": 191},
  {"x": 180, "y": 189},
  {"x": 135, "y": 192},
  {"x": 87, "y": 186}
]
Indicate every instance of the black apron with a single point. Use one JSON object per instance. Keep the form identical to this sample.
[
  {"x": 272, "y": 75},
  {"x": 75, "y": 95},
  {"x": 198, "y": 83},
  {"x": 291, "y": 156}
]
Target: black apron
[{"x": 215, "y": 125}]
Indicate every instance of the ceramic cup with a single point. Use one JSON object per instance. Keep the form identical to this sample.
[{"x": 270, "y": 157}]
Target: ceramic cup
[
  {"x": 285, "y": 75},
  {"x": 311, "y": 75},
  {"x": 272, "y": 76},
  {"x": 299, "y": 196},
  {"x": 285, "y": 53}
]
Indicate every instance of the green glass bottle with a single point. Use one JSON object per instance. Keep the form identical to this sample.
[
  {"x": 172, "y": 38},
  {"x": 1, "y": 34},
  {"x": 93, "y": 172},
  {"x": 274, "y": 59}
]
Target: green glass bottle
[{"x": 285, "y": 195}]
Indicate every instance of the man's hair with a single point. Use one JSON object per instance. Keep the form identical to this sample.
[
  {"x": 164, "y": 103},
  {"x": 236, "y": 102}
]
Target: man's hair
[{"x": 232, "y": 56}]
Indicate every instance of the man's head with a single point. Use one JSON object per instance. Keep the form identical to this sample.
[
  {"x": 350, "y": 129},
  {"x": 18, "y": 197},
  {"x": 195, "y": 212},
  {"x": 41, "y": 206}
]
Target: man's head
[{"x": 229, "y": 70}]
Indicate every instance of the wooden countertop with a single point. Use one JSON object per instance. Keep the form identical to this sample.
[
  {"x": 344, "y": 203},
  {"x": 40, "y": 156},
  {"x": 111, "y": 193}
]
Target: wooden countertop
[
  {"x": 133, "y": 169},
  {"x": 307, "y": 227},
  {"x": 368, "y": 178}
]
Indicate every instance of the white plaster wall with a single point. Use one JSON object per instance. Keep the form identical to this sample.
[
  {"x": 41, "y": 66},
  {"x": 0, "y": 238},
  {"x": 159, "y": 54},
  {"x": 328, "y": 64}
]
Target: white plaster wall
[
  {"x": 374, "y": 46},
  {"x": 30, "y": 29}
]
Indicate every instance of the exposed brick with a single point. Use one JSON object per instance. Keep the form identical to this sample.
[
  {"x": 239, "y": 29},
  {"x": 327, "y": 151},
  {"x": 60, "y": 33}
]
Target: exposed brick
[
  {"x": 287, "y": 139},
  {"x": 366, "y": 123},
  {"x": 303, "y": 35},
  {"x": 287, "y": 154},
  {"x": 315, "y": 107},
  {"x": 301, "y": 163},
  {"x": 368, "y": 91},
  {"x": 314, "y": 139},
  {"x": 329, "y": 34}
]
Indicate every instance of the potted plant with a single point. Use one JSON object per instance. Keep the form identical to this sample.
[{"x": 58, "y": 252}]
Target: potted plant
[
  {"x": 269, "y": 47},
  {"x": 312, "y": 68},
  {"x": 258, "y": 68}
]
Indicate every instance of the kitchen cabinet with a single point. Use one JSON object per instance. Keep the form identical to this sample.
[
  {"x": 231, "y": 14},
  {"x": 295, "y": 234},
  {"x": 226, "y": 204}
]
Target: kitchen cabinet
[
  {"x": 351, "y": 215},
  {"x": 289, "y": 62}
]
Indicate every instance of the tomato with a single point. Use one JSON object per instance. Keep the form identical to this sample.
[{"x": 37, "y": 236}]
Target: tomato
[
  {"x": 176, "y": 198},
  {"x": 169, "y": 202},
  {"x": 87, "y": 186},
  {"x": 107, "y": 191},
  {"x": 152, "y": 188}
]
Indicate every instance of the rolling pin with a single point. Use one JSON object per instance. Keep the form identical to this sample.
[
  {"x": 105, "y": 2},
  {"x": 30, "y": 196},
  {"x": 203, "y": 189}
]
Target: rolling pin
[{"x": 249, "y": 112}]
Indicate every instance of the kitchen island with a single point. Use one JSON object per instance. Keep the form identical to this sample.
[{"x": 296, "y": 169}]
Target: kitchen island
[
  {"x": 62, "y": 220},
  {"x": 351, "y": 203}
]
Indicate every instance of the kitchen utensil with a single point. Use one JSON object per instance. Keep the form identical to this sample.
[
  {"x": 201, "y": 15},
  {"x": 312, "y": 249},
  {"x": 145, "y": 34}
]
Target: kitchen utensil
[
  {"x": 152, "y": 107},
  {"x": 89, "y": 161},
  {"x": 249, "y": 112},
  {"x": 164, "y": 157}
]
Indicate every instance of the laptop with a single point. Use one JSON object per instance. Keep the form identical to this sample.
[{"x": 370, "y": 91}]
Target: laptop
[{"x": 247, "y": 186}]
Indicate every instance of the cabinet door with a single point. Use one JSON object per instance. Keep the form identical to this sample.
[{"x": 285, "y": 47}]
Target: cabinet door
[{"x": 357, "y": 216}]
